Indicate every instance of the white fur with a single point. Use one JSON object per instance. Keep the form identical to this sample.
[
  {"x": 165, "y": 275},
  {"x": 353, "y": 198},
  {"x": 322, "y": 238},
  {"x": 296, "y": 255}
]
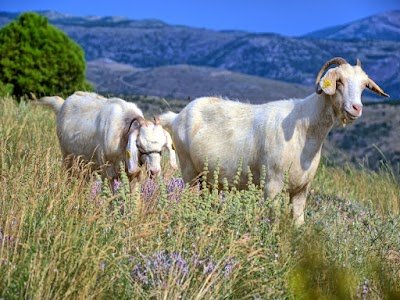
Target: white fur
[
  {"x": 101, "y": 130},
  {"x": 285, "y": 136}
]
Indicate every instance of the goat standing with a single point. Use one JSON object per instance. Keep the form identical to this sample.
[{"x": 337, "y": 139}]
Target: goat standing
[
  {"x": 108, "y": 132},
  {"x": 284, "y": 136}
]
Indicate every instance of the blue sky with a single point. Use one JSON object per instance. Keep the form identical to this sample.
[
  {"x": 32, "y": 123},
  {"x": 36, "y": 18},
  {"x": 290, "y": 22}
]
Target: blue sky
[{"x": 287, "y": 17}]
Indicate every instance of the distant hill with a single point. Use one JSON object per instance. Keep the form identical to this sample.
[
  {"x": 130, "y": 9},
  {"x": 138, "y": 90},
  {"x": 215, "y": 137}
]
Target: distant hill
[
  {"x": 154, "y": 44},
  {"x": 186, "y": 81},
  {"x": 371, "y": 139},
  {"x": 385, "y": 26}
]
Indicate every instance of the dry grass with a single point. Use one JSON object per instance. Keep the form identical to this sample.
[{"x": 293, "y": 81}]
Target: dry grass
[{"x": 60, "y": 239}]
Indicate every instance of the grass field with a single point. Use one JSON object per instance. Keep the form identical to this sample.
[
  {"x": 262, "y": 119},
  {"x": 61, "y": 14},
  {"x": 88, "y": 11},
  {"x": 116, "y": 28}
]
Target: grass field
[{"x": 64, "y": 238}]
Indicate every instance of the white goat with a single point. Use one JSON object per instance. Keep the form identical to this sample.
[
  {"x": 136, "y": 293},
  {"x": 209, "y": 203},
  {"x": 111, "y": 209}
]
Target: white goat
[
  {"x": 107, "y": 132},
  {"x": 284, "y": 136}
]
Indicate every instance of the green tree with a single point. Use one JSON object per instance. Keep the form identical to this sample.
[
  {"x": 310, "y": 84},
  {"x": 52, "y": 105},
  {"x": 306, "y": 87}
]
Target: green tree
[{"x": 36, "y": 57}]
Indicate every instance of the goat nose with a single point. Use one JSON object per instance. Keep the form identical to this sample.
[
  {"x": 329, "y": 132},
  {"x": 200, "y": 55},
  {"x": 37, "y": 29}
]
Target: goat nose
[{"x": 357, "y": 108}]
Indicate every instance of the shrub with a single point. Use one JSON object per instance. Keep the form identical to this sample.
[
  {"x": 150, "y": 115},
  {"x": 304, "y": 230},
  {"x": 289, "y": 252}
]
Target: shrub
[{"x": 36, "y": 57}]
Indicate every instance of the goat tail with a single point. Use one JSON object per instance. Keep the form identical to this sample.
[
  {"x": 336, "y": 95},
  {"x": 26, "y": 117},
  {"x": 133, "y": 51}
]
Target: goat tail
[
  {"x": 167, "y": 119},
  {"x": 54, "y": 102}
]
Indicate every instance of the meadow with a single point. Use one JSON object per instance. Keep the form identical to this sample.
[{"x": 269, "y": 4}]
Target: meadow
[{"x": 73, "y": 238}]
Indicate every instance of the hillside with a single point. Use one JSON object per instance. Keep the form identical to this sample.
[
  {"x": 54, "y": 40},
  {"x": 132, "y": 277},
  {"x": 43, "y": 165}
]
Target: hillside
[
  {"x": 65, "y": 235},
  {"x": 385, "y": 26},
  {"x": 153, "y": 43},
  {"x": 371, "y": 139},
  {"x": 185, "y": 81}
]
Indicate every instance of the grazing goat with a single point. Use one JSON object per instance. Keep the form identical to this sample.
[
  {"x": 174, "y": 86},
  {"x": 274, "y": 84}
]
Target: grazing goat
[
  {"x": 285, "y": 136},
  {"x": 107, "y": 132}
]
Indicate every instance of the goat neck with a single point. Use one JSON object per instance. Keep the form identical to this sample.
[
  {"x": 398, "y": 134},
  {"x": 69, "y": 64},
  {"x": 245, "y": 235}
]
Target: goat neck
[{"x": 317, "y": 116}]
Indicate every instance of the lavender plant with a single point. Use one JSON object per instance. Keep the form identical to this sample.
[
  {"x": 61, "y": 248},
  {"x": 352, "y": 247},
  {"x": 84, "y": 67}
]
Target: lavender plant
[{"x": 70, "y": 237}]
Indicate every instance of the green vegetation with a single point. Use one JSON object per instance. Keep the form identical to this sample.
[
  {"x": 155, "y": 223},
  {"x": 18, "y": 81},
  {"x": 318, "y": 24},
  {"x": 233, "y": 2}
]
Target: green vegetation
[
  {"x": 67, "y": 238},
  {"x": 36, "y": 57}
]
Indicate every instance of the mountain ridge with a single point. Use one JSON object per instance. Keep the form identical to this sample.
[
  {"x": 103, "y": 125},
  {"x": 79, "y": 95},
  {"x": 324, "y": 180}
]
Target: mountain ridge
[
  {"x": 153, "y": 44},
  {"x": 188, "y": 82},
  {"x": 364, "y": 29}
]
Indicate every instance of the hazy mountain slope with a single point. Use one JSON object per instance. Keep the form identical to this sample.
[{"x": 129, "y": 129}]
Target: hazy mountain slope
[
  {"x": 385, "y": 26},
  {"x": 372, "y": 138},
  {"x": 269, "y": 56},
  {"x": 184, "y": 81},
  {"x": 152, "y": 43}
]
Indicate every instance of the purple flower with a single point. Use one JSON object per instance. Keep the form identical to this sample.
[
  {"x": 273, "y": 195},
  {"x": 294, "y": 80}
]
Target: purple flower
[
  {"x": 230, "y": 264},
  {"x": 116, "y": 184},
  {"x": 155, "y": 269},
  {"x": 158, "y": 266},
  {"x": 209, "y": 268},
  {"x": 149, "y": 189},
  {"x": 96, "y": 187},
  {"x": 102, "y": 265},
  {"x": 174, "y": 187}
]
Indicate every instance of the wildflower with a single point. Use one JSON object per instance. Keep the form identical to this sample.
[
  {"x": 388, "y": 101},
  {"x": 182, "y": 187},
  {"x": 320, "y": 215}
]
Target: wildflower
[
  {"x": 174, "y": 186},
  {"x": 159, "y": 265},
  {"x": 209, "y": 268},
  {"x": 230, "y": 264},
  {"x": 96, "y": 187},
  {"x": 102, "y": 265},
  {"x": 116, "y": 184},
  {"x": 149, "y": 188}
]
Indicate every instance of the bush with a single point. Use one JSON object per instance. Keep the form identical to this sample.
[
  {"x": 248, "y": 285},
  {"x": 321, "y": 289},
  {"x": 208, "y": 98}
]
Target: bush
[
  {"x": 36, "y": 57},
  {"x": 6, "y": 89}
]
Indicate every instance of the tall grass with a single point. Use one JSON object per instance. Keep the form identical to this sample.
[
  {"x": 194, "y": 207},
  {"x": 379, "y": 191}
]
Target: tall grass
[
  {"x": 72, "y": 238},
  {"x": 377, "y": 188}
]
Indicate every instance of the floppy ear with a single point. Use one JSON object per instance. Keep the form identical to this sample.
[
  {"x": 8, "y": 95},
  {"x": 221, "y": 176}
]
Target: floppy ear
[
  {"x": 132, "y": 153},
  {"x": 328, "y": 82},
  {"x": 172, "y": 155},
  {"x": 375, "y": 88}
]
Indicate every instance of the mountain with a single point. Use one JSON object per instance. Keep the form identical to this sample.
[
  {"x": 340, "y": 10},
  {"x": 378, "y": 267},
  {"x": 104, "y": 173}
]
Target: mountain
[
  {"x": 371, "y": 140},
  {"x": 154, "y": 44},
  {"x": 385, "y": 26},
  {"x": 188, "y": 81}
]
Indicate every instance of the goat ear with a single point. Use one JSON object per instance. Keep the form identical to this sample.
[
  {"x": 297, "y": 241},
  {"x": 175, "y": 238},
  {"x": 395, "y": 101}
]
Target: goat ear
[
  {"x": 172, "y": 155},
  {"x": 375, "y": 88},
  {"x": 328, "y": 82},
  {"x": 132, "y": 153}
]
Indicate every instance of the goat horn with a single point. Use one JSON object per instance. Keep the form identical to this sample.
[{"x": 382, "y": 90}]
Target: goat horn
[
  {"x": 157, "y": 120},
  {"x": 139, "y": 119},
  {"x": 334, "y": 61},
  {"x": 358, "y": 63}
]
